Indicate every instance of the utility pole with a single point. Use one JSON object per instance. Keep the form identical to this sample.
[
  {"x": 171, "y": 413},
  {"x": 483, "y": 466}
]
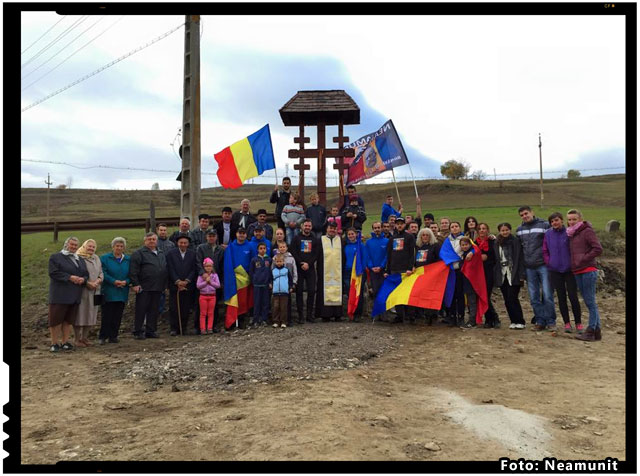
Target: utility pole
[
  {"x": 190, "y": 183},
  {"x": 495, "y": 177},
  {"x": 541, "y": 191},
  {"x": 49, "y": 183}
]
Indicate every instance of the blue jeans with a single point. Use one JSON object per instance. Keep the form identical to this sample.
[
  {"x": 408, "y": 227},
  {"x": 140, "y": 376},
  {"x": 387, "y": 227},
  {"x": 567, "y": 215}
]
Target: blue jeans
[
  {"x": 587, "y": 285},
  {"x": 291, "y": 232},
  {"x": 543, "y": 307}
]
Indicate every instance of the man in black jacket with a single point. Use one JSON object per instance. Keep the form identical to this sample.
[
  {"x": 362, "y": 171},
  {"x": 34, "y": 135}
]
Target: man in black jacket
[
  {"x": 212, "y": 250},
  {"x": 148, "y": 273},
  {"x": 281, "y": 199},
  {"x": 262, "y": 220},
  {"x": 243, "y": 217},
  {"x": 400, "y": 258},
  {"x": 184, "y": 228},
  {"x": 181, "y": 264},
  {"x": 198, "y": 235},
  {"x": 305, "y": 250},
  {"x": 224, "y": 229}
]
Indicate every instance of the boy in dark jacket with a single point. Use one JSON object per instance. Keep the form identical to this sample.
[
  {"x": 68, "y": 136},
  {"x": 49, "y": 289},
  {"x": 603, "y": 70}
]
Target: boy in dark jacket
[
  {"x": 260, "y": 274},
  {"x": 354, "y": 215},
  {"x": 317, "y": 214}
]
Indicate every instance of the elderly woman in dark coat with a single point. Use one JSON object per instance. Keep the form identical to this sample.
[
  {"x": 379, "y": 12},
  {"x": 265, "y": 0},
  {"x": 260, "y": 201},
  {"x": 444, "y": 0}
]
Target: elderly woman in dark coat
[{"x": 68, "y": 273}]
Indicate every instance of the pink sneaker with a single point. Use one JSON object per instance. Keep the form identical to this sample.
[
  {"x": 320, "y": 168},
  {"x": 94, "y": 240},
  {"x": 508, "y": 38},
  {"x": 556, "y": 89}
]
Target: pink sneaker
[
  {"x": 579, "y": 328},
  {"x": 567, "y": 327}
]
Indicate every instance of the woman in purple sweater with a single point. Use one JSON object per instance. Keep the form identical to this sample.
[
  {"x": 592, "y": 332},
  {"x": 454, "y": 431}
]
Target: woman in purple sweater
[{"x": 557, "y": 258}]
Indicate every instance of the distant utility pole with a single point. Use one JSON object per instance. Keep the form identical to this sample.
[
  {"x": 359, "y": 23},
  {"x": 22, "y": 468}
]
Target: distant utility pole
[
  {"x": 49, "y": 183},
  {"x": 541, "y": 191},
  {"x": 495, "y": 177},
  {"x": 190, "y": 180}
]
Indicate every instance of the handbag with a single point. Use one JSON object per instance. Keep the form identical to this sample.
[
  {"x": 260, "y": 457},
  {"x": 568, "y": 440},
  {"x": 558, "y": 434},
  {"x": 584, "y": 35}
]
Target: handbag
[{"x": 98, "y": 299}]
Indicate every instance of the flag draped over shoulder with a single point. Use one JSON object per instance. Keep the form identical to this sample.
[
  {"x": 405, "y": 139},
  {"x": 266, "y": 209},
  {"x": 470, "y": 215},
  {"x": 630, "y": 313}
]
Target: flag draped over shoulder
[
  {"x": 474, "y": 272},
  {"x": 449, "y": 256},
  {"x": 245, "y": 159},
  {"x": 237, "y": 287},
  {"x": 356, "y": 278}
]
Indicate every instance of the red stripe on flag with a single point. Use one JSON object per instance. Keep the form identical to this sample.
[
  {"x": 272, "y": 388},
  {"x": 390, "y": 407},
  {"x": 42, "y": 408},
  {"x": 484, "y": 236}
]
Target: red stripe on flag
[
  {"x": 227, "y": 170},
  {"x": 428, "y": 290},
  {"x": 245, "y": 302}
]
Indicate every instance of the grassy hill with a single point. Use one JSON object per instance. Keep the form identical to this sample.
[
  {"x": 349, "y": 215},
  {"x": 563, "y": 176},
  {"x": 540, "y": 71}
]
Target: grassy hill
[{"x": 604, "y": 194}]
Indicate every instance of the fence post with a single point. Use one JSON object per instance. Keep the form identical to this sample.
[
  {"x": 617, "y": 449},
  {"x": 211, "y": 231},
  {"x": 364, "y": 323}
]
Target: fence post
[
  {"x": 152, "y": 216},
  {"x": 55, "y": 231},
  {"x": 147, "y": 225}
]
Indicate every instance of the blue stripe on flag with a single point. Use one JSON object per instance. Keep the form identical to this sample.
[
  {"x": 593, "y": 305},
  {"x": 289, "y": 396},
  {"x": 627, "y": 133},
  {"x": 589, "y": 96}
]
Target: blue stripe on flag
[
  {"x": 390, "y": 283},
  {"x": 260, "y": 142}
]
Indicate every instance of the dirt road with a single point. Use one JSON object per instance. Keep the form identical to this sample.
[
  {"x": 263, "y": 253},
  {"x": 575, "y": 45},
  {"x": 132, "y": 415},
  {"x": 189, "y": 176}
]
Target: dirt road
[{"x": 330, "y": 391}]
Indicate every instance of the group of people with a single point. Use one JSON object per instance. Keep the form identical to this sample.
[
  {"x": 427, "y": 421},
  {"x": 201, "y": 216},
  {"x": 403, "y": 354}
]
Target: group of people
[{"x": 312, "y": 253}]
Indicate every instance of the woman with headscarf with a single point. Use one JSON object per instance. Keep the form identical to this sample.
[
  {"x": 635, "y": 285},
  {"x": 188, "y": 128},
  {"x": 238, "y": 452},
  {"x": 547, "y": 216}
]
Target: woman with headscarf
[
  {"x": 68, "y": 274},
  {"x": 88, "y": 312},
  {"x": 115, "y": 289}
]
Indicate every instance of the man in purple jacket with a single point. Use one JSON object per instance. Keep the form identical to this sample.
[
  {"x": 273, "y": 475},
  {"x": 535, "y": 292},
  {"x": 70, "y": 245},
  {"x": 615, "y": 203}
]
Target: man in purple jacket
[{"x": 557, "y": 258}]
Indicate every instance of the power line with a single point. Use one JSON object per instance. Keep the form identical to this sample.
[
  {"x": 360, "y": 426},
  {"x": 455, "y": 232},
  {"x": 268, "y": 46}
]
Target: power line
[
  {"x": 56, "y": 39},
  {"x": 60, "y": 51},
  {"x": 40, "y": 37},
  {"x": 72, "y": 54},
  {"x": 77, "y": 166},
  {"x": 55, "y": 93}
]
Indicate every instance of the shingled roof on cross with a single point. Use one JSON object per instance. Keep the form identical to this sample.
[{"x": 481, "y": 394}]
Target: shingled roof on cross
[{"x": 329, "y": 107}]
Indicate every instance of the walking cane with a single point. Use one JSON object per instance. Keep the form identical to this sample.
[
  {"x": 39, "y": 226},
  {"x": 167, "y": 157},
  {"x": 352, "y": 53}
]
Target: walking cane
[{"x": 179, "y": 316}]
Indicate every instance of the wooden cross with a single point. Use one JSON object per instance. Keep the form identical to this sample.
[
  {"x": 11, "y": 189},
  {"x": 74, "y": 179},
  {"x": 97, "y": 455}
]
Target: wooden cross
[
  {"x": 341, "y": 166},
  {"x": 321, "y": 154}
]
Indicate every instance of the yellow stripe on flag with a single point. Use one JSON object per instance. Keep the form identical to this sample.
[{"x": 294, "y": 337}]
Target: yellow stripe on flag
[
  {"x": 242, "y": 277},
  {"x": 400, "y": 295},
  {"x": 243, "y": 158}
]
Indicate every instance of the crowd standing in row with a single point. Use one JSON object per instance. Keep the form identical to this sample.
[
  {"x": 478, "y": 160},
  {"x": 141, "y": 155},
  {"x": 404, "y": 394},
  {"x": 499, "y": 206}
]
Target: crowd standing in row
[{"x": 312, "y": 253}]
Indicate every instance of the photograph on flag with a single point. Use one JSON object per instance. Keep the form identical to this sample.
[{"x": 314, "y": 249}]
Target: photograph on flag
[{"x": 375, "y": 153}]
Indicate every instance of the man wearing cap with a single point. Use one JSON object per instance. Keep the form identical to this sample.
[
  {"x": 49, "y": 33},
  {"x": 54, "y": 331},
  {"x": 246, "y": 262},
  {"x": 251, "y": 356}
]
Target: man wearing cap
[
  {"x": 224, "y": 229},
  {"x": 262, "y": 220},
  {"x": 243, "y": 217},
  {"x": 281, "y": 199},
  {"x": 181, "y": 265},
  {"x": 184, "y": 229},
  {"x": 428, "y": 219},
  {"x": 400, "y": 258},
  {"x": 258, "y": 238},
  {"x": 198, "y": 236},
  {"x": 212, "y": 250},
  {"x": 164, "y": 245}
]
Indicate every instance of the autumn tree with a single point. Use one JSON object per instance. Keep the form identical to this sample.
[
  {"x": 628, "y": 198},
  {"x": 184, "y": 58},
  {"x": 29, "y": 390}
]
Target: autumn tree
[{"x": 455, "y": 170}]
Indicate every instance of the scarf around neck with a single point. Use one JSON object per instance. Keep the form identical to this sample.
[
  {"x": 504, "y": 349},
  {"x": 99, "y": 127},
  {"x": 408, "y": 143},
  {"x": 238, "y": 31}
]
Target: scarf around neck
[{"x": 572, "y": 229}]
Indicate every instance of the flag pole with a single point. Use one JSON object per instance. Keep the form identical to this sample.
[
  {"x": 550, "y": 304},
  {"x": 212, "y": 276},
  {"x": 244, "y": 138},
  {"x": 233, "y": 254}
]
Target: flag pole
[
  {"x": 414, "y": 179},
  {"x": 396, "y": 184}
]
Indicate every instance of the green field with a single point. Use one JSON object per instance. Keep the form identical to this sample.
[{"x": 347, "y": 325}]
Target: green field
[{"x": 600, "y": 198}]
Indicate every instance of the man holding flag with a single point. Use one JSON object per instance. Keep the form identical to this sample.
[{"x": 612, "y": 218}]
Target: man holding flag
[
  {"x": 400, "y": 259},
  {"x": 238, "y": 294}
]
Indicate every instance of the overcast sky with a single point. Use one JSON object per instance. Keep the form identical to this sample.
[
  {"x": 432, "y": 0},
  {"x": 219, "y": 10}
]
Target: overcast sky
[{"x": 456, "y": 87}]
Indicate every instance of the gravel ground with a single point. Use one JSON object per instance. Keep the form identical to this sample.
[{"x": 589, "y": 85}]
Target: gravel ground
[{"x": 234, "y": 359}]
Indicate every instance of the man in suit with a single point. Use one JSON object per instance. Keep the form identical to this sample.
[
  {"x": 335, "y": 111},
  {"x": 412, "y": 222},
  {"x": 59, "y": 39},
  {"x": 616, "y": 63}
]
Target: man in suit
[
  {"x": 243, "y": 217},
  {"x": 181, "y": 264},
  {"x": 148, "y": 272},
  {"x": 224, "y": 229}
]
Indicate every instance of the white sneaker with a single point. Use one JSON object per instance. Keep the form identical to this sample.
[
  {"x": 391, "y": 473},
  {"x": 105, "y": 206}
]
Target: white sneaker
[
  {"x": 283, "y": 325},
  {"x": 513, "y": 326},
  {"x": 275, "y": 325},
  {"x": 520, "y": 326}
]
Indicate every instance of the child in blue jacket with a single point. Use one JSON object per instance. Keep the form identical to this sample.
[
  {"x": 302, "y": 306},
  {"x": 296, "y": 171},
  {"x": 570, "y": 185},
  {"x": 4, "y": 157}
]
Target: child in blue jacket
[{"x": 282, "y": 287}]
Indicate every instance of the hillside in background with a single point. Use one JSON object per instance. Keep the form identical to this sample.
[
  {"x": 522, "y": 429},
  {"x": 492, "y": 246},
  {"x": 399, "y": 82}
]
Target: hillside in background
[{"x": 606, "y": 191}]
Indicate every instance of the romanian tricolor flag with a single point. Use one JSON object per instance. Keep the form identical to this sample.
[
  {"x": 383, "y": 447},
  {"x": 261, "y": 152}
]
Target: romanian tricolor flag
[
  {"x": 424, "y": 288},
  {"x": 356, "y": 279},
  {"x": 237, "y": 287},
  {"x": 245, "y": 159},
  {"x": 474, "y": 272}
]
